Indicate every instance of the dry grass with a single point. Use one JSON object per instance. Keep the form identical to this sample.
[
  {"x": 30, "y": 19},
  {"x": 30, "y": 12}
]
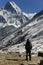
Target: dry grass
[{"x": 15, "y": 59}]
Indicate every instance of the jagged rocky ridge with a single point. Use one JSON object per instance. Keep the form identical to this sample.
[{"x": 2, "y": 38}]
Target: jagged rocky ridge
[{"x": 16, "y": 27}]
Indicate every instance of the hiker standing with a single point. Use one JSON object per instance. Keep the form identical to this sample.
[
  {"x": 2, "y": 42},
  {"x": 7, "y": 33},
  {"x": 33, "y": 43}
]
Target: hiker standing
[{"x": 28, "y": 48}]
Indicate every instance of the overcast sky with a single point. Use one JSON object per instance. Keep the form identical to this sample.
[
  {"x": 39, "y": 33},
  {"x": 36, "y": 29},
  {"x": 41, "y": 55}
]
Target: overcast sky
[{"x": 28, "y": 6}]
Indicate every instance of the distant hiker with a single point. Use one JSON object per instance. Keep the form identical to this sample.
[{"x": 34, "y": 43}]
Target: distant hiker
[{"x": 28, "y": 48}]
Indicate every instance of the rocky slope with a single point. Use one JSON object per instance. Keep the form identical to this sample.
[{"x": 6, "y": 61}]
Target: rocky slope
[{"x": 35, "y": 34}]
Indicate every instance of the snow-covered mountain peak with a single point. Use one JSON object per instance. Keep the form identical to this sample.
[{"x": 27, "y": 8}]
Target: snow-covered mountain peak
[
  {"x": 13, "y": 15},
  {"x": 12, "y": 7},
  {"x": 15, "y": 6},
  {"x": 30, "y": 15}
]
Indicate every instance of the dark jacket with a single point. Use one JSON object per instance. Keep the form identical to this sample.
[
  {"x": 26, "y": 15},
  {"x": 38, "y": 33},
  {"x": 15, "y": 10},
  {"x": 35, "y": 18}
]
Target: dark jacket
[{"x": 28, "y": 45}]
